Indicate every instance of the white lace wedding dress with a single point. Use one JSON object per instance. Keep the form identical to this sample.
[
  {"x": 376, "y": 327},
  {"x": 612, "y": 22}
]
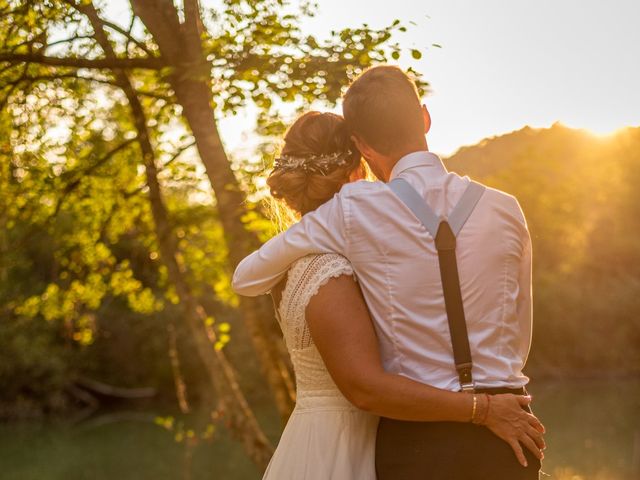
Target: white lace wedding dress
[{"x": 326, "y": 437}]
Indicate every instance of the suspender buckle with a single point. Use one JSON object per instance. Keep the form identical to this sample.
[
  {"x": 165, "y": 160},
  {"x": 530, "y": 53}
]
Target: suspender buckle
[{"x": 468, "y": 387}]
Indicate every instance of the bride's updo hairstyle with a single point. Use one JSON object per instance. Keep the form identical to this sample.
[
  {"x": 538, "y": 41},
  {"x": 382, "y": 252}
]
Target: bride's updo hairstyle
[{"x": 317, "y": 159}]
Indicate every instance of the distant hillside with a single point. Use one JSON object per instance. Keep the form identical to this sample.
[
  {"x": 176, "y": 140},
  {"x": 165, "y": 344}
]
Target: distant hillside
[
  {"x": 581, "y": 196},
  {"x": 557, "y": 143}
]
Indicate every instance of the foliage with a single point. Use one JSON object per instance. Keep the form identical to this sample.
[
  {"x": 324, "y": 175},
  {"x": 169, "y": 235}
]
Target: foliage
[{"x": 80, "y": 255}]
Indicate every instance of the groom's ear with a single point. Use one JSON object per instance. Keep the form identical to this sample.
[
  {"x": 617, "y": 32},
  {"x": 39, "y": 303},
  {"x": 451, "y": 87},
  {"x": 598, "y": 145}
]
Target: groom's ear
[{"x": 427, "y": 119}]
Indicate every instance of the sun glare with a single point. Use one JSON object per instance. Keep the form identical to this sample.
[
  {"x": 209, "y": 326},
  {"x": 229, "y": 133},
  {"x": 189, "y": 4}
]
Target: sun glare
[{"x": 600, "y": 129}]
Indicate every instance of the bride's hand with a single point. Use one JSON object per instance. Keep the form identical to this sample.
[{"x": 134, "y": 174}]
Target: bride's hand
[{"x": 511, "y": 423}]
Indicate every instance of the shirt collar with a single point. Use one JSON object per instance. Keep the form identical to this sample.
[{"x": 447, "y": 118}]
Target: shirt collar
[{"x": 417, "y": 159}]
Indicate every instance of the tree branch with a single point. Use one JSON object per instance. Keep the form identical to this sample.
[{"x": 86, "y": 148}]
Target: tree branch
[
  {"x": 73, "y": 184},
  {"x": 68, "y": 40},
  {"x": 97, "y": 63},
  {"x": 12, "y": 87},
  {"x": 126, "y": 34},
  {"x": 113, "y": 391},
  {"x": 130, "y": 37},
  {"x": 59, "y": 76},
  {"x": 157, "y": 96},
  {"x": 177, "y": 154},
  {"x": 113, "y": 26},
  {"x": 74, "y": 75}
]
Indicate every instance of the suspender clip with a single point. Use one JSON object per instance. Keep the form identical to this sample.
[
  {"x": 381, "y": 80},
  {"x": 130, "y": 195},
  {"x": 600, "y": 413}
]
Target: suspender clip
[{"x": 468, "y": 387}]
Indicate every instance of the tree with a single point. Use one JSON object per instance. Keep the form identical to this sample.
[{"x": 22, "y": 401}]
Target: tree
[{"x": 171, "y": 65}]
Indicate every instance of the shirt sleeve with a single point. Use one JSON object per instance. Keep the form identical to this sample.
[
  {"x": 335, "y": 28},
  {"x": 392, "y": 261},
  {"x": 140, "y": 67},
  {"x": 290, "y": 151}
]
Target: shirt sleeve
[
  {"x": 320, "y": 231},
  {"x": 524, "y": 310}
]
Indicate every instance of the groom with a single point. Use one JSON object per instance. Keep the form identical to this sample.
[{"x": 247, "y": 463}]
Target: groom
[{"x": 387, "y": 229}]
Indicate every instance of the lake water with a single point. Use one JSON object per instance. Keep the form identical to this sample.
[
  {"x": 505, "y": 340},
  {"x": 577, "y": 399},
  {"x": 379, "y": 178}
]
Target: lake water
[{"x": 593, "y": 434}]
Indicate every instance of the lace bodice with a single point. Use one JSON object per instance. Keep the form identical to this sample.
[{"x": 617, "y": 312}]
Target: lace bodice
[{"x": 305, "y": 278}]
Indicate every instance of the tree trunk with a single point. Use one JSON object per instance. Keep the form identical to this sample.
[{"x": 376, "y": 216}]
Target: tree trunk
[
  {"x": 180, "y": 45},
  {"x": 238, "y": 415},
  {"x": 178, "y": 379}
]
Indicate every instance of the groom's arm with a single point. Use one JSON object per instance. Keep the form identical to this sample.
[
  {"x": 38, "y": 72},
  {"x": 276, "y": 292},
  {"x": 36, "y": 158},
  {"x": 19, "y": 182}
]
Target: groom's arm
[{"x": 320, "y": 231}]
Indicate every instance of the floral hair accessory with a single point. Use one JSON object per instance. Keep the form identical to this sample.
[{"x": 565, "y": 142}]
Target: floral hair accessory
[{"x": 321, "y": 164}]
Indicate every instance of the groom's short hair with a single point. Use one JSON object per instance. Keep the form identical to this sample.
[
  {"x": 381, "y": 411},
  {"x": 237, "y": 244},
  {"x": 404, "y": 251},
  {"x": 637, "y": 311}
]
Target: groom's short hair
[{"x": 382, "y": 107}]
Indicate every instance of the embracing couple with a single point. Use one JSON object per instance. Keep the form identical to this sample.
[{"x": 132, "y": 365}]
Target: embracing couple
[{"x": 405, "y": 303}]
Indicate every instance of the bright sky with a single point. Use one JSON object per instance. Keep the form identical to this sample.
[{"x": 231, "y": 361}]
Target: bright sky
[{"x": 505, "y": 63}]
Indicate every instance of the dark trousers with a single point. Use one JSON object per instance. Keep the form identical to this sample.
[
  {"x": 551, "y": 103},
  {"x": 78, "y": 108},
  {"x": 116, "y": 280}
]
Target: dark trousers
[{"x": 447, "y": 451}]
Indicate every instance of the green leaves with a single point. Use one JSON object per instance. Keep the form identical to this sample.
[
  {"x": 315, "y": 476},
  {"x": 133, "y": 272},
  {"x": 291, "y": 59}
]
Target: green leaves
[
  {"x": 258, "y": 47},
  {"x": 73, "y": 189},
  {"x": 83, "y": 184}
]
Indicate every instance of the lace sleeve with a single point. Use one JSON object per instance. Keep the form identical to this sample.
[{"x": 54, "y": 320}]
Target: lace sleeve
[{"x": 305, "y": 280}]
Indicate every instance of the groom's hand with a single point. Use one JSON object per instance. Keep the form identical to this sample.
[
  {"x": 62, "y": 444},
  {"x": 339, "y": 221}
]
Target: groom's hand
[{"x": 507, "y": 419}]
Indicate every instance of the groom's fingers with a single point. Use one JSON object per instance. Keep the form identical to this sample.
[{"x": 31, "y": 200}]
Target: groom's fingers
[
  {"x": 531, "y": 445},
  {"x": 535, "y": 423},
  {"x": 537, "y": 437},
  {"x": 524, "y": 401},
  {"x": 517, "y": 449}
]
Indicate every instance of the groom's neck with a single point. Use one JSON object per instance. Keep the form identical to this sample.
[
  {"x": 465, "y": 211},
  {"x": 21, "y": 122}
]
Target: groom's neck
[{"x": 418, "y": 146}]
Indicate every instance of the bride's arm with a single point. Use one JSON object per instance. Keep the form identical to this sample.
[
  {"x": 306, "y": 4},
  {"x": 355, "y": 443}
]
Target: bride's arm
[
  {"x": 342, "y": 330},
  {"x": 320, "y": 231}
]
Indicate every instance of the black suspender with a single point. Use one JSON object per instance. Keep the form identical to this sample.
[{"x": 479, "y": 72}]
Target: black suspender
[
  {"x": 444, "y": 233},
  {"x": 446, "y": 245}
]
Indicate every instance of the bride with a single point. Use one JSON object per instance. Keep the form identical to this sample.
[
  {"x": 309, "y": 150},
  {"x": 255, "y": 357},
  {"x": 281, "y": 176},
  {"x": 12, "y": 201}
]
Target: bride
[{"x": 342, "y": 387}]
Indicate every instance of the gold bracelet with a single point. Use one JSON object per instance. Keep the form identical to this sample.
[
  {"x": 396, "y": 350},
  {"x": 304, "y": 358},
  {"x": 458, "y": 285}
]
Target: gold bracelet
[
  {"x": 475, "y": 405},
  {"x": 486, "y": 413}
]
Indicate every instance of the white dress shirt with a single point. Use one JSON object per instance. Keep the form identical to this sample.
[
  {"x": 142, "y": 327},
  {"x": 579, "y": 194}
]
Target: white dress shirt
[{"x": 396, "y": 264}]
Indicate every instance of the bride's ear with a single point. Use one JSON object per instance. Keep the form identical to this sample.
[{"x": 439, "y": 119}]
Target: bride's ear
[{"x": 427, "y": 119}]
